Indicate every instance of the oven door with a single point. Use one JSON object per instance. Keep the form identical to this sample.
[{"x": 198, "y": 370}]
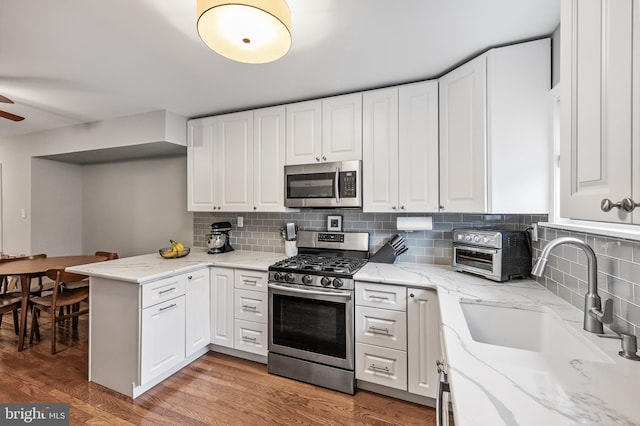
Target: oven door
[
  {"x": 312, "y": 324},
  {"x": 478, "y": 260}
]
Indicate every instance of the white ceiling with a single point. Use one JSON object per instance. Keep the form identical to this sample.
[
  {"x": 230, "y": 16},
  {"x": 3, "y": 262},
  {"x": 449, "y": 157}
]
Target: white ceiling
[{"x": 72, "y": 61}]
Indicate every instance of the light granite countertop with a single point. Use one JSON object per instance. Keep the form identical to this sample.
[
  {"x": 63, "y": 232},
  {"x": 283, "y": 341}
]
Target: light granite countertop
[
  {"x": 495, "y": 385},
  {"x": 150, "y": 267}
]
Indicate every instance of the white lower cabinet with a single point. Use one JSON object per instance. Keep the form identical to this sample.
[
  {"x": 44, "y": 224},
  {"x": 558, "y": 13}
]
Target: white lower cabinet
[
  {"x": 197, "y": 311},
  {"x": 397, "y": 337},
  {"x": 239, "y": 309},
  {"x": 163, "y": 338}
]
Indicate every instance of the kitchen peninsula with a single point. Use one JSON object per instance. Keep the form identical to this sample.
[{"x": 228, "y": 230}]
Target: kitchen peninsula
[{"x": 490, "y": 384}]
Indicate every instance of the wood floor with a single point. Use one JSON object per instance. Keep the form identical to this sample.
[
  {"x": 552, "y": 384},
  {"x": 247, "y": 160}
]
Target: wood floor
[{"x": 214, "y": 390}]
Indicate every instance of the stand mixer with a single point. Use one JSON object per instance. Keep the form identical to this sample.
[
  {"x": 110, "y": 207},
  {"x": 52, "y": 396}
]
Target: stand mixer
[{"x": 218, "y": 240}]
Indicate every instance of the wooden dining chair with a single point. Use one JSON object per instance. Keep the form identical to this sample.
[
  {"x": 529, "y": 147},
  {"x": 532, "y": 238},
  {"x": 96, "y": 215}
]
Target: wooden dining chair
[
  {"x": 52, "y": 303},
  {"x": 11, "y": 302},
  {"x": 108, "y": 254},
  {"x": 85, "y": 283}
]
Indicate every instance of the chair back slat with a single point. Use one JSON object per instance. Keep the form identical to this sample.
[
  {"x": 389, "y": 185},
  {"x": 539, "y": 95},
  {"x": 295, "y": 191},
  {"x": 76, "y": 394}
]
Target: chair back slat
[{"x": 108, "y": 254}]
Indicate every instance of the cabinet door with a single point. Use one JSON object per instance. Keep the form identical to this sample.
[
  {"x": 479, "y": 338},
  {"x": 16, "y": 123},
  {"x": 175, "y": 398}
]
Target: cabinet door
[
  {"x": 251, "y": 337},
  {"x": 463, "y": 138},
  {"x": 200, "y": 164},
  {"x": 380, "y": 150},
  {"x": 235, "y": 163},
  {"x": 384, "y": 366},
  {"x": 198, "y": 332},
  {"x": 162, "y": 338},
  {"x": 418, "y": 148},
  {"x": 269, "y": 159},
  {"x": 596, "y": 103},
  {"x": 423, "y": 341},
  {"x": 342, "y": 128},
  {"x": 304, "y": 132},
  {"x": 221, "y": 294}
]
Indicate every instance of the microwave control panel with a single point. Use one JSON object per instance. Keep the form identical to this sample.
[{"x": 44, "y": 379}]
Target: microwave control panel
[{"x": 348, "y": 184}]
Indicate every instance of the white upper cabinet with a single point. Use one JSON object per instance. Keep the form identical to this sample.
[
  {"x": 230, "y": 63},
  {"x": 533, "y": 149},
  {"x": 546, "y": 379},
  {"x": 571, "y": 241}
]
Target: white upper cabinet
[
  {"x": 235, "y": 161},
  {"x": 200, "y": 173},
  {"x": 494, "y": 132},
  {"x": 269, "y": 158},
  {"x": 329, "y": 129},
  {"x": 599, "y": 92},
  {"x": 400, "y": 148}
]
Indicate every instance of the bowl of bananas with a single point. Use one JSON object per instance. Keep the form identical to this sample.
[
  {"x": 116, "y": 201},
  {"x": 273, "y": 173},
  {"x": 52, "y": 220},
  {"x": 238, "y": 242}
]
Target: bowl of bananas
[{"x": 176, "y": 250}]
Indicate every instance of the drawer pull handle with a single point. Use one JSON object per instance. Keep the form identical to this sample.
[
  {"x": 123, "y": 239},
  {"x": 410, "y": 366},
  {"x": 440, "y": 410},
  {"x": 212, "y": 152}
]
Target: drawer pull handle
[
  {"x": 377, "y": 369},
  {"x": 173, "y": 305},
  {"x": 161, "y": 292},
  {"x": 249, "y": 339},
  {"x": 250, "y": 282},
  {"x": 376, "y": 330},
  {"x": 249, "y": 307},
  {"x": 373, "y": 296}
]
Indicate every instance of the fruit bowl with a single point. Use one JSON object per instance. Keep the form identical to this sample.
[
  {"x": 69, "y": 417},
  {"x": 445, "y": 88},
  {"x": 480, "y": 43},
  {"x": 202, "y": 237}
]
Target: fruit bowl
[{"x": 170, "y": 253}]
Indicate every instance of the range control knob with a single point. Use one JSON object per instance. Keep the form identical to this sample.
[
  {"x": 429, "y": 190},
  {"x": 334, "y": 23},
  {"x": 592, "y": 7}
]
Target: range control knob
[
  {"x": 325, "y": 281},
  {"x": 337, "y": 282},
  {"x": 476, "y": 238},
  {"x": 307, "y": 280},
  {"x": 289, "y": 277},
  {"x": 467, "y": 237},
  {"x": 485, "y": 240},
  {"x": 277, "y": 276}
]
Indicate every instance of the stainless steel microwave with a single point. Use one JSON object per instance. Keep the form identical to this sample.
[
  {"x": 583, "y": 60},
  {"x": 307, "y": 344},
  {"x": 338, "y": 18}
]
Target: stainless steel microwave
[{"x": 323, "y": 185}]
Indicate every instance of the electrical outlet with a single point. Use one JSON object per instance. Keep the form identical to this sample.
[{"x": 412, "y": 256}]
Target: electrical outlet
[
  {"x": 240, "y": 221},
  {"x": 534, "y": 232}
]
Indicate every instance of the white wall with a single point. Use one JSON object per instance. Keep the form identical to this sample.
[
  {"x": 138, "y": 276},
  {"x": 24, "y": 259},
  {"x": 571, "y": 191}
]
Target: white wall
[
  {"x": 56, "y": 208},
  {"x": 135, "y": 207},
  {"x": 16, "y": 154}
]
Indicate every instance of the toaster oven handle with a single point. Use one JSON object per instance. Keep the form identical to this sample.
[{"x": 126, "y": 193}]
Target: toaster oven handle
[
  {"x": 476, "y": 249},
  {"x": 336, "y": 186},
  {"x": 305, "y": 291}
]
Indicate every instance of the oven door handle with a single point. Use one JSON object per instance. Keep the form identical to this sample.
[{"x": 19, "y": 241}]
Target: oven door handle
[
  {"x": 305, "y": 291},
  {"x": 475, "y": 249}
]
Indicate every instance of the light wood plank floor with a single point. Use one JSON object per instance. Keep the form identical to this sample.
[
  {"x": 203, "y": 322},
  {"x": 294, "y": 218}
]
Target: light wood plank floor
[{"x": 214, "y": 390}]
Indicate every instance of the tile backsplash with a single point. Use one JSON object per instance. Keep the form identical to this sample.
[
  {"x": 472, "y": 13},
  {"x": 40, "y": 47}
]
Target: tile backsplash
[
  {"x": 618, "y": 263},
  {"x": 261, "y": 231}
]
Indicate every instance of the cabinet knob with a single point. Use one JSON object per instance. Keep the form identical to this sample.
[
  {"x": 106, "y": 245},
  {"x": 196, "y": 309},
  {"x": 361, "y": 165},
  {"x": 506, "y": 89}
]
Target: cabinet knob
[
  {"x": 189, "y": 277},
  {"x": 318, "y": 159},
  {"x": 628, "y": 204},
  {"x": 324, "y": 158},
  {"x": 412, "y": 295},
  {"x": 393, "y": 207},
  {"x": 441, "y": 207},
  {"x": 401, "y": 207},
  {"x": 607, "y": 205},
  {"x": 255, "y": 208}
]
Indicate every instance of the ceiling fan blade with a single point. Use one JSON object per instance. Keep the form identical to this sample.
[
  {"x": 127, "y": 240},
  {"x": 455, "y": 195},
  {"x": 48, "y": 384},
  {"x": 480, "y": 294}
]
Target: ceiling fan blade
[
  {"x": 5, "y": 100},
  {"x": 9, "y": 116}
]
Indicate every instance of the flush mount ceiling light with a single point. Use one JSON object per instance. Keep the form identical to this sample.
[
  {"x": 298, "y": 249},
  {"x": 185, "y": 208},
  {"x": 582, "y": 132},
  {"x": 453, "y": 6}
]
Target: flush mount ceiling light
[{"x": 251, "y": 31}]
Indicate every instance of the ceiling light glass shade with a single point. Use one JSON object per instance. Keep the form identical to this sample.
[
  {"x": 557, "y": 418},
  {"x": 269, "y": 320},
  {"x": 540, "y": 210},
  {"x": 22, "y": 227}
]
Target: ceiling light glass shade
[{"x": 251, "y": 31}]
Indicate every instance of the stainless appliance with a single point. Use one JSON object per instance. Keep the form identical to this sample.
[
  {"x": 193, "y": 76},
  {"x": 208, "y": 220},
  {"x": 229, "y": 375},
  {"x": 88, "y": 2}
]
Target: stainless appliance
[
  {"x": 218, "y": 239},
  {"x": 311, "y": 309},
  {"x": 496, "y": 254},
  {"x": 336, "y": 184}
]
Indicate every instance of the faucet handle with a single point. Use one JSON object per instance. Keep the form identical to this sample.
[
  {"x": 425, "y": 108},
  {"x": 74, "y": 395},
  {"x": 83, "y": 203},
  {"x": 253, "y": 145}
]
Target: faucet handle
[{"x": 606, "y": 315}]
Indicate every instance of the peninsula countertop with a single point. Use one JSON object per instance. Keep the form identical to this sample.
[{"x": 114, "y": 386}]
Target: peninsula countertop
[
  {"x": 494, "y": 385},
  {"x": 150, "y": 267}
]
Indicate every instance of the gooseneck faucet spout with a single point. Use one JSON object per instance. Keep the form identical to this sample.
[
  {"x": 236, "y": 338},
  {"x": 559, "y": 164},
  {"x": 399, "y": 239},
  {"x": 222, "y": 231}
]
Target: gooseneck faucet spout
[{"x": 594, "y": 316}]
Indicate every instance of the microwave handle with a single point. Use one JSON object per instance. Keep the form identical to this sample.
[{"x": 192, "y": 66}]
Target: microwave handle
[{"x": 336, "y": 185}]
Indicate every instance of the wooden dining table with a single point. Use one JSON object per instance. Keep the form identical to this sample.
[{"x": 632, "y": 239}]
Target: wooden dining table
[{"x": 31, "y": 268}]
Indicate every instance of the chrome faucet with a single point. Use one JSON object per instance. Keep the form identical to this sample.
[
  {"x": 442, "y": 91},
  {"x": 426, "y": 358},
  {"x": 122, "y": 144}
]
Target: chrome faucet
[{"x": 594, "y": 316}]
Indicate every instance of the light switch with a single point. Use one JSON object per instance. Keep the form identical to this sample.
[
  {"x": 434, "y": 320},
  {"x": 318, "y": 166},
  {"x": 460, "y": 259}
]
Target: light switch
[{"x": 23, "y": 213}]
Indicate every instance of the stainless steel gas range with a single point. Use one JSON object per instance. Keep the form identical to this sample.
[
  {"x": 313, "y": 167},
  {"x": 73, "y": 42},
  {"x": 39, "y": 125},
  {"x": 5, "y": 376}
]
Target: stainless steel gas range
[{"x": 311, "y": 309}]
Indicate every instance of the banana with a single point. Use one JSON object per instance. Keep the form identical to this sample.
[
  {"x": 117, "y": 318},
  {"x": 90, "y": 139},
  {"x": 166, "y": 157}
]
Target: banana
[
  {"x": 178, "y": 247},
  {"x": 172, "y": 252}
]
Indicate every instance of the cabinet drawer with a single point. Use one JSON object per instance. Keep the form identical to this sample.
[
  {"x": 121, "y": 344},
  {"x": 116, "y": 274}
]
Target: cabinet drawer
[
  {"x": 251, "y": 306},
  {"x": 382, "y": 327},
  {"x": 387, "y": 367},
  {"x": 251, "y": 280},
  {"x": 161, "y": 290},
  {"x": 381, "y": 296},
  {"x": 250, "y": 337}
]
